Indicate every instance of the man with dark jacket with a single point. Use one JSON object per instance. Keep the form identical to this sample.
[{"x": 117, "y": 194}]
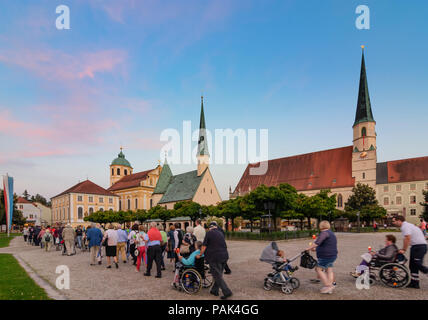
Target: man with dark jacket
[
  {"x": 215, "y": 250},
  {"x": 226, "y": 267}
]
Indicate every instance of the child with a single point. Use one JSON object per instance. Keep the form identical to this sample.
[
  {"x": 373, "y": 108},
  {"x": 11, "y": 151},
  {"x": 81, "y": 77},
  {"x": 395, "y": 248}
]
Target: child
[
  {"x": 387, "y": 254},
  {"x": 280, "y": 258}
]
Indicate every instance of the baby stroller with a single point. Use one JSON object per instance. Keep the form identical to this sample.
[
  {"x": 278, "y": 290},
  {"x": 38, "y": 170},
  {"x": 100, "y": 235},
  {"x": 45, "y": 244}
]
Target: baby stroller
[{"x": 282, "y": 276}]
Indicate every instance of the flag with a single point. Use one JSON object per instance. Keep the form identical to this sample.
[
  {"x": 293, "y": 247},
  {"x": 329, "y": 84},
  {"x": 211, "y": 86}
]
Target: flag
[{"x": 8, "y": 200}]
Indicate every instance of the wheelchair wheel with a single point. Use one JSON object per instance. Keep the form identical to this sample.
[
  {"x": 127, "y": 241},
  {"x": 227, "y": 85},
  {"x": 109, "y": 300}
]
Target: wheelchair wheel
[
  {"x": 191, "y": 281},
  {"x": 207, "y": 280},
  {"x": 267, "y": 284},
  {"x": 295, "y": 283},
  {"x": 394, "y": 275},
  {"x": 373, "y": 279}
]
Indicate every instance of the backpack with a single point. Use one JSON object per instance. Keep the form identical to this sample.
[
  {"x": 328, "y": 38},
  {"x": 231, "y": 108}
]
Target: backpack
[{"x": 48, "y": 238}]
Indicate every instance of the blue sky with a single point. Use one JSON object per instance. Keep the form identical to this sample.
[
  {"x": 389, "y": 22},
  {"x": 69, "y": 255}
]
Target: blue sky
[{"x": 129, "y": 69}]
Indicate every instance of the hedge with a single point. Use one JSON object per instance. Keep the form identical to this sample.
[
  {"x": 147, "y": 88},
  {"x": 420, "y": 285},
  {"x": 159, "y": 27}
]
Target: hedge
[{"x": 277, "y": 235}]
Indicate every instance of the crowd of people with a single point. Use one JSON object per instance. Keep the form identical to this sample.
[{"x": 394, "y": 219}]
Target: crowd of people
[{"x": 140, "y": 246}]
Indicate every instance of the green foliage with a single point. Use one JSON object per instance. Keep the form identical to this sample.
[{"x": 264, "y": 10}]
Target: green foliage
[
  {"x": 190, "y": 209},
  {"x": 161, "y": 213},
  {"x": 364, "y": 200},
  {"x": 425, "y": 205},
  {"x": 271, "y": 236},
  {"x": 17, "y": 217},
  {"x": 216, "y": 219}
]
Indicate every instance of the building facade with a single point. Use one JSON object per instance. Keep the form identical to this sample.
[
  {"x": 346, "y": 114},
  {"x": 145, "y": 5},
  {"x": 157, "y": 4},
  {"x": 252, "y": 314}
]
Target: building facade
[
  {"x": 398, "y": 184},
  {"x": 77, "y": 202},
  {"x": 30, "y": 211}
]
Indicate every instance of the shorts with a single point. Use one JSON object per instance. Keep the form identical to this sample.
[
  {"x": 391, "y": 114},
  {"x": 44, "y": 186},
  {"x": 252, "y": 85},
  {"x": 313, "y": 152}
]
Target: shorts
[
  {"x": 326, "y": 262},
  {"x": 111, "y": 251}
]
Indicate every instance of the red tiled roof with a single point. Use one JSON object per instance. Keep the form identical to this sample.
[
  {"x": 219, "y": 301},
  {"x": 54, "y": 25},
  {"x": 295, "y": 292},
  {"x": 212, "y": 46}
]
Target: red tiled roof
[
  {"x": 23, "y": 200},
  {"x": 325, "y": 169},
  {"x": 414, "y": 169},
  {"x": 130, "y": 181},
  {"x": 87, "y": 187}
]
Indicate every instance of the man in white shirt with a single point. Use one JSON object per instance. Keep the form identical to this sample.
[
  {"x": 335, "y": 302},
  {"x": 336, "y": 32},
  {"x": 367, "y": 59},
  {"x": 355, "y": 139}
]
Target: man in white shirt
[
  {"x": 414, "y": 237},
  {"x": 199, "y": 231}
]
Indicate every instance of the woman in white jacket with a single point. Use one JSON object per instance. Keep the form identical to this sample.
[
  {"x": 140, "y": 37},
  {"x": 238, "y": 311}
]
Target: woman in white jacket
[{"x": 111, "y": 236}]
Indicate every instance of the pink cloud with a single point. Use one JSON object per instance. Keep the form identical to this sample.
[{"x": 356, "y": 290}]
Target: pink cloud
[{"x": 57, "y": 65}]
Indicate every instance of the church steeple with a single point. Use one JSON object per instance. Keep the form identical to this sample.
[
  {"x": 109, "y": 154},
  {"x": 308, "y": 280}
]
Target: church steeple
[
  {"x": 364, "y": 109},
  {"x": 203, "y": 153},
  {"x": 202, "y": 142}
]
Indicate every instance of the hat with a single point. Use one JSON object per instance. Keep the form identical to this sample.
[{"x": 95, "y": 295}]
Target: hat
[{"x": 213, "y": 224}]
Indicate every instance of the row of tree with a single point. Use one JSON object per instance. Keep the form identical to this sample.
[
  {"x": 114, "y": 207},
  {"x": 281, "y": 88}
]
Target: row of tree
[
  {"x": 284, "y": 201},
  {"x": 17, "y": 217},
  {"x": 37, "y": 198}
]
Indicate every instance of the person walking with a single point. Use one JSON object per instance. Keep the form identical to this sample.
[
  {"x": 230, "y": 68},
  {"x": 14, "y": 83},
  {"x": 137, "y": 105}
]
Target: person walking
[
  {"x": 95, "y": 237},
  {"x": 48, "y": 240},
  {"x": 30, "y": 235},
  {"x": 40, "y": 237},
  {"x": 215, "y": 250},
  {"x": 69, "y": 235},
  {"x": 178, "y": 239},
  {"x": 111, "y": 247},
  {"x": 413, "y": 237},
  {"x": 171, "y": 243},
  {"x": 79, "y": 234},
  {"x": 163, "y": 246},
  {"x": 25, "y": 232},
  {"x": 423, "y": 226},
  {"x": 199, "y": 231},
  {"x": 226, "y": 266},
  {"x": 132, "y": 242},
  {"x": 154, "y": 252},
  {"x": 141, "y": 245},
  {"x": 122, "y": 239}
]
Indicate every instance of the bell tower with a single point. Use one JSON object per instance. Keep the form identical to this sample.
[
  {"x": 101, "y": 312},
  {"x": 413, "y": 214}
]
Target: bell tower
[
  {"x": 119, "y": 168},
  {"x": 364, "y": 156},
  {"x": 203, "y": 155}
]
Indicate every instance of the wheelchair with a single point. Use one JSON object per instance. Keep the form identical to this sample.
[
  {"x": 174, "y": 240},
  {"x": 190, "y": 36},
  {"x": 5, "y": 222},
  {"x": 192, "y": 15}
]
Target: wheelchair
[
  {"x": 192, "y": 278},
  {"x": 392, "y": 274}
]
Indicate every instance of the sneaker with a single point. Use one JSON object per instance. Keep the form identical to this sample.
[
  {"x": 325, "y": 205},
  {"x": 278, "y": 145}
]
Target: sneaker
[
  {"x": 414, "y": 284},
  {"x": 224, "y": 297},
  {"x": 334, "y": 284},
  {"x": 327, "y": 290},
  {"x": 355, "y": 274},
  {"x": 108, "y": 267},
  {"x": 117, "y": 266},
  {"x": 147, "y": 274},
  {"x": 158, "y": 276}
]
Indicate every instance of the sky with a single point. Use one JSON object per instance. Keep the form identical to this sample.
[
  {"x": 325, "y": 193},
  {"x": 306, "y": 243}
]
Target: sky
[{"x": 127, "y": 70}]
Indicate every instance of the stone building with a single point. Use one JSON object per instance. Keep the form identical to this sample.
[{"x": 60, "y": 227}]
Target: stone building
[{"x": 398, "y": 184}]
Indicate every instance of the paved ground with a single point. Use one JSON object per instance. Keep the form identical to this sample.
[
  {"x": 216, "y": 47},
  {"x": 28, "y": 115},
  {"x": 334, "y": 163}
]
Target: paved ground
[{"x": 246, "y": 280}]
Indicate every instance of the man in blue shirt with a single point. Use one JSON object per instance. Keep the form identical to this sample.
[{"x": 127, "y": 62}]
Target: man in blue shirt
[
  {"x": 122, "y": 239},
  {"x": 95, "y": 236}
]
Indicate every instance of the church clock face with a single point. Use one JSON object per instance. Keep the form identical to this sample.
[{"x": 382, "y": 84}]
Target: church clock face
[{"x": 363, "y": 154}]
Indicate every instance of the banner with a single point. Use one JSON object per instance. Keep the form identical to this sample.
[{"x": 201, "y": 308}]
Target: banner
[{"x": 8, "y": 200}]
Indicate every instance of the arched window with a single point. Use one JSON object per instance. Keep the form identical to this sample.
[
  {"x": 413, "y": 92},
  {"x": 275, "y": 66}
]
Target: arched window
[
  {"x": 120, "y": 205},
  {"x": 118, "y": 171},
  {"x": 339, "y": 201},
  {"x": 101, "y": 210},
  {"x": 112, "y": 171},
  {"x": 129, "y": 204},
  {"x": 136, "y": 203},
  {"x": 91, "y": 210},
  {"x": 364, "y": 132},
  {"x": 80, "y": 213},
  {"x": 126, "y": 172}
]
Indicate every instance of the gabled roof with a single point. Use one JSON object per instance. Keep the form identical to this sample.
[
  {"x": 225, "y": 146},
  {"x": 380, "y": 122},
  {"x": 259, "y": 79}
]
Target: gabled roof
[
  {"x": 23, "y": 200},
  {"x": 182, "y": 187},
  {"x": 130, "y": 181},
  {"x": 325, "y": 169},
  {"x": 164, "y": 179},
  {"x": 87, "y": 187},
  {"x": 364, "y": 108},
  {"x": 405, "y": 170}
]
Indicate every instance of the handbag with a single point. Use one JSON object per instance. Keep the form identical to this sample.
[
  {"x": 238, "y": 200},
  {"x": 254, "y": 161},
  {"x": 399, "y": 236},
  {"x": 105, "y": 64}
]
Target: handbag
[{"x": 105, "y": 242}]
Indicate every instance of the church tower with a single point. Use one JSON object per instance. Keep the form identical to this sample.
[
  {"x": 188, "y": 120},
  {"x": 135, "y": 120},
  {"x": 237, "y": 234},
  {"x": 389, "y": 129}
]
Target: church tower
[
  {"x": 364, "y": 156},
  {"x": 203, "y": 155},
  {"x": 119, "y": 168}
]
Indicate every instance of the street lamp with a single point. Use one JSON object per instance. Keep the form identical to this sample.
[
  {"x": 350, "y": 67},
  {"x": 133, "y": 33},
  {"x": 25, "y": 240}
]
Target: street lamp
[
  {"x": 358, "y": 221},
  {"x": 269, "y": 205}
]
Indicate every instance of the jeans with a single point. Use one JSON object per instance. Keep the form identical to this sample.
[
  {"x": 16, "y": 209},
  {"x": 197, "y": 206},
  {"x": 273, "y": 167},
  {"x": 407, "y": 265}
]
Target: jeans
[
  {"x": 93, "y": 253},
  {"x": 79, "y": 241},
  {"x": 217, "y": 269}
]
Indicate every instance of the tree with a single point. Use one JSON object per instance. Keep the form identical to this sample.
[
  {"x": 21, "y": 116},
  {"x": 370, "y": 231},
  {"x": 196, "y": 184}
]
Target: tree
[
  {"x": 26, "y": 195},
  {"x": 364, "y": 200},
  {"x": 248, "y": 209},
  {"x": 425, "y": 205},
  {"x": 17, "y": 217},
  {"x": 40, "y": 199},
  {"x": 190, "y": 209},
  {"x": 230, "y": 209},
  {"x": 161, "y": 213}
]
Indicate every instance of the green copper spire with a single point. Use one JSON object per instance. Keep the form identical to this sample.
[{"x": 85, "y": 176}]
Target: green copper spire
[
  {"x": 364, "y": 109},
  {"x": 164, "y": 179},
  {"x": 202, "y": 143}
]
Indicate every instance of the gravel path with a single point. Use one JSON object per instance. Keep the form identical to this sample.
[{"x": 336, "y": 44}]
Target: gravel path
[{"x": 246, "y": 281}]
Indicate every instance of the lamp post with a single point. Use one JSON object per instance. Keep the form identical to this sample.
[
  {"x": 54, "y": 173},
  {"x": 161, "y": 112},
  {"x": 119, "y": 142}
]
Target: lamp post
[
  {"x": 358, "y": 221},
  {"x": 269, "y": 205}
]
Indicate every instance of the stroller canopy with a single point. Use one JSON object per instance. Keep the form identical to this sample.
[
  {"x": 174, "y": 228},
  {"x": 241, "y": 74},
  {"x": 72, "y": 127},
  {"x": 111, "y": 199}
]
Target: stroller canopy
[{"x": 269, "y": 253}]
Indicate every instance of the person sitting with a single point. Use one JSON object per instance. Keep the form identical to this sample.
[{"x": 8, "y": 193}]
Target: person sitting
[
  {"x": 189, "y": 261},
  {"x": 385, "y": 255},
  {"x": 280, "y": 259}
]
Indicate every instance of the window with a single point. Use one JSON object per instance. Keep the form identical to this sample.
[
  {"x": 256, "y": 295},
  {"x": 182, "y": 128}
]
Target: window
[
  {"x": 91, "y": 210},
  {"x": 364, "y": 175},
  {"x": 126, "y": 172},
  {"x": 80, "y": 198},
  {"x": 398, "y": 200},
  {"x": 364, "y": 132},
  {"x": 386, "y": 201},
  {"x": 120, "y": 205},
  {"x": 110, "y": 200},
  {"x": 385, "y": 188},
  {"x": 101, "y": 210},
  {"x": 91, "y": 199},
  {"x": 101, "y": 199},
  {"x": 151, "y": 203},
  {"x": 413, "y": 186},
  {"x": 21, "y": 206},
  {"x": 211, "y": 191},
  {"x": 204, "y": 190},
  {"x": 31, "y": 216},
  {"x": 80, "y": 213},
  {"x": 339, "y": 201},
  {"x": 118, "y": 171},
  {"x": 136, "y": 203},
  {"x": 112, "y": 171},
  {"x": 413, "y": 212},
  {"x": 412, "y": 199},
  {"x": 398, "y": 187},
  {"x": 129, "y": 204}
]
